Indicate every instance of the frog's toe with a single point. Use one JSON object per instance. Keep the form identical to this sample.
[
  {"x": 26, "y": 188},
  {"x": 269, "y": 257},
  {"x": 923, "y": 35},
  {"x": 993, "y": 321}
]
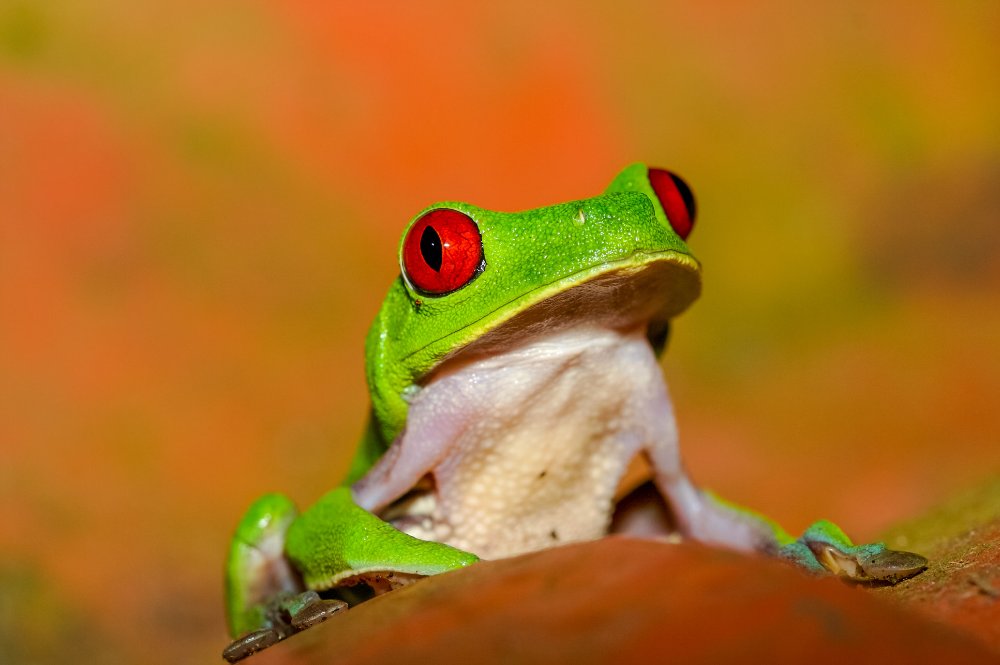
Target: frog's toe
[
  {"x": 313, "y": 610},
  {"x": 317, "y": 613},
  {"x": 867, "y": 563},
  {"x": 285, "y": 615},
  {"x": 250, "y": 644}
]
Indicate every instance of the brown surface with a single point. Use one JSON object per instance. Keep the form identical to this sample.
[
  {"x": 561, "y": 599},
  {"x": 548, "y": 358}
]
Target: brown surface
[
  {"x": 961, "y": 587},
  {"x": 624, "y": 600}
]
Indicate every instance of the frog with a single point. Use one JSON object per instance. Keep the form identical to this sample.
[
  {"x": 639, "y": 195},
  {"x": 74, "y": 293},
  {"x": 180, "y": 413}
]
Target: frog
[{"x": 517, "y": 403}]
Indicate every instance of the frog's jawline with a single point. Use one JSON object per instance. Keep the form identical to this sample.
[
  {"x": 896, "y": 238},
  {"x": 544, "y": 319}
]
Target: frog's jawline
[
  {"x": 527, "y": 432},
  {"x": 646, "y": 290},
  {"x": 678, "y": 284}
]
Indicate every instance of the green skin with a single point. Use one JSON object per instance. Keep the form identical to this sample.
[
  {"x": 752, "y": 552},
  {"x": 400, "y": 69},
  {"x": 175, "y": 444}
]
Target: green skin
[{"x": 277, "y": 553}]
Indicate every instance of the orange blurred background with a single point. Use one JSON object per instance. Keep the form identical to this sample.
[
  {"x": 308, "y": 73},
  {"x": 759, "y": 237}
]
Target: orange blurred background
[{"x": 200, "y": 205}]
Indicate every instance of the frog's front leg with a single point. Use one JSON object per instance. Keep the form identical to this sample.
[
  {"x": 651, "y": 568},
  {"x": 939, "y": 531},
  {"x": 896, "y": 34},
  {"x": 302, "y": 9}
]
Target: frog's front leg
[
  {"x": 279, "y": 560},
  {"x": 702, "y": 516},
  {"x": 338, "y": 543}
]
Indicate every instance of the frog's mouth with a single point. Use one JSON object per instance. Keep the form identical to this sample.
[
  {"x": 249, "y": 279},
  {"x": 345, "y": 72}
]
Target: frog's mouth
[{"x": 645, "y": 289}]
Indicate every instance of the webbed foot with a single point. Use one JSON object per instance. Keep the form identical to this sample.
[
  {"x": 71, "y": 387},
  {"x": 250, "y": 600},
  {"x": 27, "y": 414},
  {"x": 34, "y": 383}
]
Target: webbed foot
[
  {"x": 824, "y": 546},
  {"x": 285, "y": 616}
]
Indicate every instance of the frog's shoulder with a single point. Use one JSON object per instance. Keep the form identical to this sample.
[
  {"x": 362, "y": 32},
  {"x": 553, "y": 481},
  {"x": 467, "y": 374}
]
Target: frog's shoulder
[{"x": 385, "y": 376}]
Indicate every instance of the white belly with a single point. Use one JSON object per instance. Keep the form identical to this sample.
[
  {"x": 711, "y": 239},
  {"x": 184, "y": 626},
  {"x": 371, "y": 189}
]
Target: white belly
[{"x": 535, "y": 441}]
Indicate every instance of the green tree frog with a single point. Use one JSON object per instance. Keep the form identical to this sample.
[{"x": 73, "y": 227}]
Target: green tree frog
[{"x": 516, "y": 397}]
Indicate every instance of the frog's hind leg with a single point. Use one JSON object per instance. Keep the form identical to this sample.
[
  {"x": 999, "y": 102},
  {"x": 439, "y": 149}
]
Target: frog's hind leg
[
  {"x": 702, "y": 516},
  {"x": 257, "y": 569},
  {"x": 265, "y": 598}
]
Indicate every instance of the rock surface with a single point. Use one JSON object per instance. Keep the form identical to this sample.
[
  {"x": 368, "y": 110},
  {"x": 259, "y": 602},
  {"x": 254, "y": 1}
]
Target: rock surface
[
  {"x": 961, "y": 587},
  {"x": 631, "y": 601}
]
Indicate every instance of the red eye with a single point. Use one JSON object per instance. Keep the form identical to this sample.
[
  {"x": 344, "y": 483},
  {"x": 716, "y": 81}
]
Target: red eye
[
  {"x": 442, "y": 252},
  {"x": 676, "y": 198}
]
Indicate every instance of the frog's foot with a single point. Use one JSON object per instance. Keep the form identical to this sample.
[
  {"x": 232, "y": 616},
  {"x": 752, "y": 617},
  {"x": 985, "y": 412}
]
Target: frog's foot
[
  {"x": 824, "y": 546},
  {"x": 284, "y": 616}
]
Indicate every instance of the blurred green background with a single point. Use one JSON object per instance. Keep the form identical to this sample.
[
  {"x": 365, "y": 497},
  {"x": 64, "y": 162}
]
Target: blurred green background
[{"x": 200, "y": 205}]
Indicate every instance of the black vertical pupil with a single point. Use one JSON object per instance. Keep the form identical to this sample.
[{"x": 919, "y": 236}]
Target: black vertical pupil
[
  {"x": 686, "y": 194},
  {"x": 430, "y": 248}
]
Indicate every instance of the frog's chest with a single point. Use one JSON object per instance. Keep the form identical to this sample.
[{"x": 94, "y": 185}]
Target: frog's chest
[{"x": 546, "y": 434}]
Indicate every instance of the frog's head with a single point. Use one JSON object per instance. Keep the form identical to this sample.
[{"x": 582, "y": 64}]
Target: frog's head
[{"x": 473, "y": 279}]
